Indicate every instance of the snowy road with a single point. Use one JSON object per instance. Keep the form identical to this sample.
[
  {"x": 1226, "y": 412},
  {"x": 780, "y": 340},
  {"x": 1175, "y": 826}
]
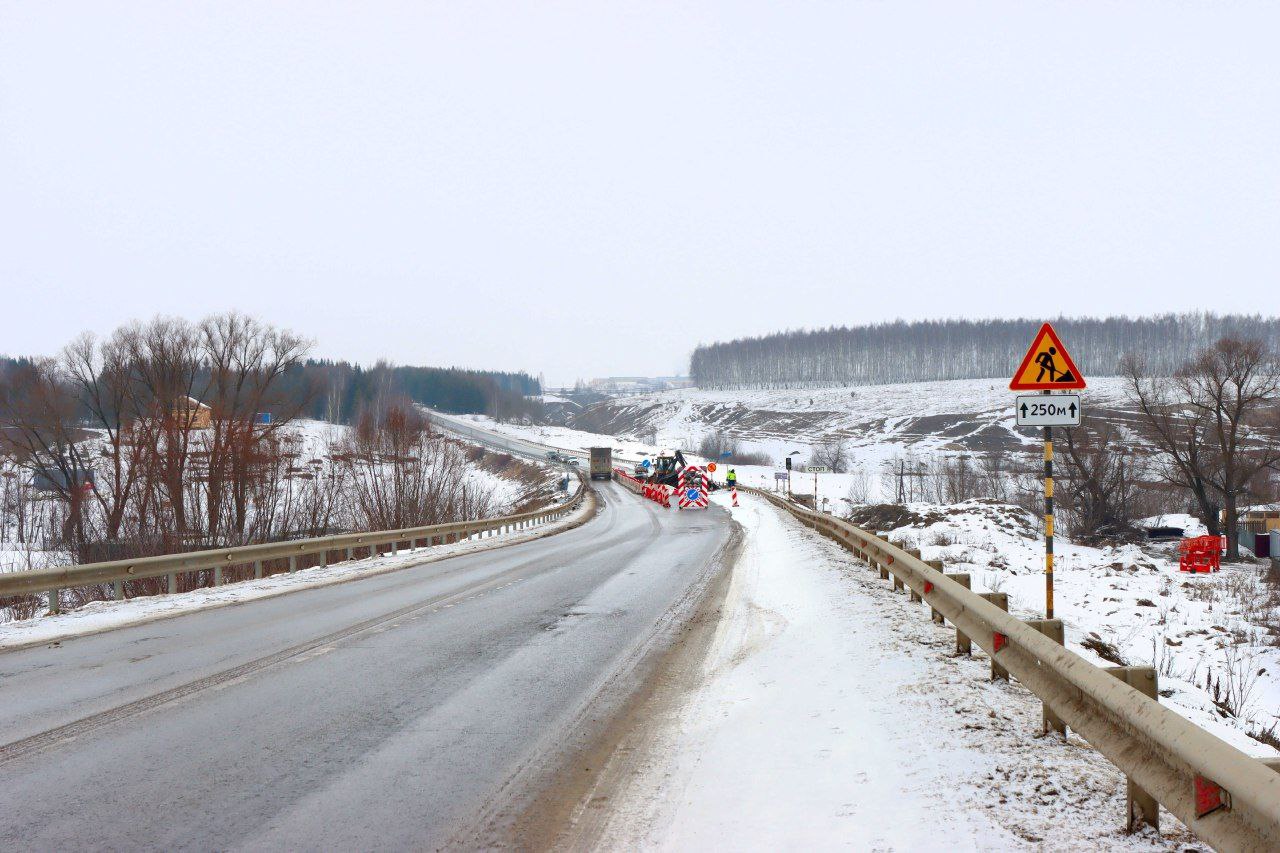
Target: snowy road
[{"x": 414, "y": 709}]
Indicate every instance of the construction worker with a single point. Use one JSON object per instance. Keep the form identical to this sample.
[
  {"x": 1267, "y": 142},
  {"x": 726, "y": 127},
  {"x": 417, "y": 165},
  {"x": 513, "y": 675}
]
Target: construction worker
[{"x": 732, "y": 478}]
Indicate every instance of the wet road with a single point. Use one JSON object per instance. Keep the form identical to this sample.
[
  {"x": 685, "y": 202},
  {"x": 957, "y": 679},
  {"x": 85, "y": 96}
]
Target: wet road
[{"x": 392, "y": 712}]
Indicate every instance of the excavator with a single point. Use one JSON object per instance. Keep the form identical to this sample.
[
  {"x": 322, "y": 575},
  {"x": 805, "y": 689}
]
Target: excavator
[{"x": 667, "y": 466}]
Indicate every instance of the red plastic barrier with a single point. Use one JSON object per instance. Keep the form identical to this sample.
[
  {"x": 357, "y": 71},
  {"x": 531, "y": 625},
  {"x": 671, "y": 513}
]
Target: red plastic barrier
[{"x": 1200, "y": 554}]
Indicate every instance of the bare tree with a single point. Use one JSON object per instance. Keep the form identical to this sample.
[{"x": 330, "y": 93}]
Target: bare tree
[
  {"x": 1180, "y": 436},
  {"x": 1213, "y": 422},
  {"x": 38, "y": 427},
  {"x": 833, "y": 453},
  {"x": 1234, "y": 386},
  {"x": 1098, "y": 474}
]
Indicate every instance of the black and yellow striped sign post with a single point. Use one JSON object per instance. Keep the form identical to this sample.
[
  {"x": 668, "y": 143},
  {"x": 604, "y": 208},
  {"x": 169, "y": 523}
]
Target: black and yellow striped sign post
[
  {"x": 1048, "y": 522},
  {"x": 1048, "y": 367}
]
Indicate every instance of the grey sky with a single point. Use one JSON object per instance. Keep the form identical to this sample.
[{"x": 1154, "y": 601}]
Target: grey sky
[{"x": 587, "y": 188}]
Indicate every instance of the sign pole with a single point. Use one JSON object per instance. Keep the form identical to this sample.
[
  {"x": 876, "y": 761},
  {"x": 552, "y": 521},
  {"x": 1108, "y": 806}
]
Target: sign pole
[{"x": 1048, "y": 522}]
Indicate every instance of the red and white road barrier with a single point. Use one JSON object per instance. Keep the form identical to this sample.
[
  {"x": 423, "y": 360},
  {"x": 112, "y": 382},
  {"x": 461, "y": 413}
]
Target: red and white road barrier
[{"x": 692, "y": 488}]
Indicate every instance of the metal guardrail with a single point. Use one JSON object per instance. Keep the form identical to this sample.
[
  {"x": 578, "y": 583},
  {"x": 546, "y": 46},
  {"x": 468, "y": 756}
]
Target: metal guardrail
[
  {"x": 53, "y": 580},
  {"x": 1224, "y": 796}
]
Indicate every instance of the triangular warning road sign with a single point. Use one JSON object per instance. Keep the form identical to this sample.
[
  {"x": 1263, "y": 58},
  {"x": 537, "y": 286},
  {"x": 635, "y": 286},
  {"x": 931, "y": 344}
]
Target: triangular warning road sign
[{"x": 1047, "y": 366}]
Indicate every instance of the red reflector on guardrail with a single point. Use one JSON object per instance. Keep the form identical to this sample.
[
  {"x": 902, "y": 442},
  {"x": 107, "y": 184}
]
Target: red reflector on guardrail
[
  {"x": 928, "y": 587},
  {"x": 998, "y": 641},
  {"x": 1210, "y": 797}
]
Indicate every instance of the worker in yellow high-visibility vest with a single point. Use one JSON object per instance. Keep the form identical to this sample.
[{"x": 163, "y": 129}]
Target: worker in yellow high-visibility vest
[{"x": 732, "y": 478}]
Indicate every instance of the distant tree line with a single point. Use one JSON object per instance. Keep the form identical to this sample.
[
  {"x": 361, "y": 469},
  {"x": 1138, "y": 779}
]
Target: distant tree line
[
  {"x": 339, "y": 391},
  {"x": 931, "y": 350}
]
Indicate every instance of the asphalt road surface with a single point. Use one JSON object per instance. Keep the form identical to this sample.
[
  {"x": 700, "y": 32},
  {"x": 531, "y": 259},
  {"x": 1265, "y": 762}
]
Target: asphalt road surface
[{"x": 393, "y": 712}]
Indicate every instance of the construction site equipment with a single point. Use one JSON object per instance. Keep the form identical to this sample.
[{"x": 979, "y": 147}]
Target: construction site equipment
[{"x": 1200, "y": 554}]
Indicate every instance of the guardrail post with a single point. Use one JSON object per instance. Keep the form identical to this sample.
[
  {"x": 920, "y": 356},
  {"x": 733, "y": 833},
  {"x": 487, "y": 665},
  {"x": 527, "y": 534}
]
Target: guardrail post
[
  {"x": 395, "y": 548},
  {"x": 1051, "y": 628},
  {"x": 257, "y": 570},
  {"x": 117, "y": 590},
  {"x": 1142, "y": 807},
  {"x": 962, "y": 579},
  {"x": 173, "y": 582},
  {"x": 293, "y": 563},
  {"x": 1001, "y": 600},
  {"x": 55, "y": 599},
  {"x": 964, "y": 646},
  {"x": 324, "y": 558},
  {"x": 933, "y": 564},
  {"x": 217, "y": 575},
  {"x": 897, "y": 580}
]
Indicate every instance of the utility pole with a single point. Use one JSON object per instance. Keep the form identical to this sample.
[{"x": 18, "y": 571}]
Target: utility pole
[{"x": 903, "y": 474}]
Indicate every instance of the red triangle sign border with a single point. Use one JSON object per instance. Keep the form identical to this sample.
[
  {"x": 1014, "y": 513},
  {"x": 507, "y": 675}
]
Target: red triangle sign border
[{"x": 1076, "y": 384}]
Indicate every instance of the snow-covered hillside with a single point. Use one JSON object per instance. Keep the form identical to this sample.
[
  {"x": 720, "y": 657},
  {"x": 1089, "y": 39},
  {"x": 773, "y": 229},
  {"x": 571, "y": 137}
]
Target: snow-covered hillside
[{"x": 878, "y": 422}]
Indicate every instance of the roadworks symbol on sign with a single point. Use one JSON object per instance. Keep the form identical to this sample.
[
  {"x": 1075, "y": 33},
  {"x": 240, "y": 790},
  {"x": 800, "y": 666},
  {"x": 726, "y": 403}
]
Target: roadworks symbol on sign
[{"x": 1047, "y": 366}]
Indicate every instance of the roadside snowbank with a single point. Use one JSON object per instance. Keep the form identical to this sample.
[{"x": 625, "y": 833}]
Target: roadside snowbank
[
  {"x": 1125, "y": 604},
  {"x": 833, "y": 714}
]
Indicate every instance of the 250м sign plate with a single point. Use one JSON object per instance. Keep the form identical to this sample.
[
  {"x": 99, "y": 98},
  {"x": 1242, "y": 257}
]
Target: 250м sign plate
[{"x": 1042, "y": 410}]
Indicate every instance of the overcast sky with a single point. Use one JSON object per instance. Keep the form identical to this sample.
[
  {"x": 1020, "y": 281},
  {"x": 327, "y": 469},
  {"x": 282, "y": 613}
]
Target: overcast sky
[{"x": 586, "y": 189}]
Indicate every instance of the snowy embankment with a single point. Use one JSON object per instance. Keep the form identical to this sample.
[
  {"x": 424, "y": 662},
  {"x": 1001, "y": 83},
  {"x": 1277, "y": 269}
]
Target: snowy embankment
[
  {"x": 834, "y": 713},
  {"x": 98, "y": 616},
  {"x": 878, "y": 422},
  {"x": 1210, "y": 637}
]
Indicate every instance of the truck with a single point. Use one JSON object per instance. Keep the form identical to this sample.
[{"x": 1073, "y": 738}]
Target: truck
[{"x": 601, "y": 463}]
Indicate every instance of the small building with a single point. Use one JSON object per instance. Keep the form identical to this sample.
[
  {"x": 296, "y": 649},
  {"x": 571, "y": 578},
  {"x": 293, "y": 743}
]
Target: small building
[
  {"x": 1258, "y": 519},
  {"x": 191, "y": 413}
]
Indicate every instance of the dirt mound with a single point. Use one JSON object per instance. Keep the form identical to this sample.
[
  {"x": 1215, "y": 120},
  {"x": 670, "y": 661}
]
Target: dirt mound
[{"x": 873, "y": 517}]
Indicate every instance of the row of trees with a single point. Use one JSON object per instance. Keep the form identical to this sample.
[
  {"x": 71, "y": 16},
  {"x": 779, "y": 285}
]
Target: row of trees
[
  {"x": 339, "y": 391},
  {"x": 959, "y": 349},
  {"x": 169, "y": 435}
]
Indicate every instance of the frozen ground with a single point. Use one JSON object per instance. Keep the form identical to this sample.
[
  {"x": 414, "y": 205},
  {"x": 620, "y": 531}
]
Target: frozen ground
[
  {"x": 1130, "y": 603},
  {"x": 833, "y": 714},
  {"x": 104, "y": 615}
]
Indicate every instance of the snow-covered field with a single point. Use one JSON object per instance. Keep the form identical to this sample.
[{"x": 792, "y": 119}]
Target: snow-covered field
[{"x": 833, "y": 713}]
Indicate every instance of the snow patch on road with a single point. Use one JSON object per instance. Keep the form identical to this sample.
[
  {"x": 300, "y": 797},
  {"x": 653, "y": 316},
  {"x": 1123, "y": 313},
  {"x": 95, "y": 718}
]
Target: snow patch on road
[{"x": 835, "y": 714}]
